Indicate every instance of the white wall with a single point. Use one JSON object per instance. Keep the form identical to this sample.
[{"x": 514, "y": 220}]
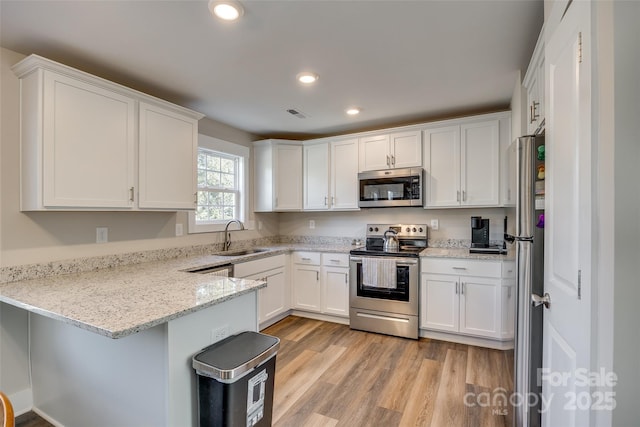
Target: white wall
[{"x": 454, "y": 223}]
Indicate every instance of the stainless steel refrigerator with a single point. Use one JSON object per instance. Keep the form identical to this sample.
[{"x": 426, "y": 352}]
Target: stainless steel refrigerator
[{"x": 529, "y": 241}]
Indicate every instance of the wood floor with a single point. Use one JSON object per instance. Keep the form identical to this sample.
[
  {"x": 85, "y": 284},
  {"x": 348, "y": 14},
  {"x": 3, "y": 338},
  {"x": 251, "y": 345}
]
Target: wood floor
[{"x": 329, "y": 375}]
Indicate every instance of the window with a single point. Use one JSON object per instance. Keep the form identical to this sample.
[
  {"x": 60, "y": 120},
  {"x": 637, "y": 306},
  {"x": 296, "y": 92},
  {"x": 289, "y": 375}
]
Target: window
[
  {"x": 218, "y": 186},
  {"x": 222, "y": 185}
]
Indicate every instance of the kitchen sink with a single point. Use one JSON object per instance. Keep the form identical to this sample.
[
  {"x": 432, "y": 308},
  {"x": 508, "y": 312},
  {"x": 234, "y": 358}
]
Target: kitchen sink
[{"x": 241, "y": 252}]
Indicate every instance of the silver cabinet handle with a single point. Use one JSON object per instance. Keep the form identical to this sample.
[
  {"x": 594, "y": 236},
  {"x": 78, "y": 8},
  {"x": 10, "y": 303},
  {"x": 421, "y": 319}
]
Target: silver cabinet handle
[
  {"x": 388, "y": 161},
  {"x": 325, "y": 200},
  {"x": 346, "y": 278},
  {"x": 334, "y": 260},
  {"x": 305, "y": 259},
  {"x": 462, "y": 288},
  {"x": 393, "y": 160},
  {"x": 458, "y": 196},
  {"x": 533, "y": 111},
  {"x": 509, "y": 292},
  {"x": 464, "y": 196},
  {"x": 457, "y": 284},
  {"x": 459, "y": 268},
  {"x": 317, "y": 276},
  {"x": 131, "y": 194},
  {"x": 195, "y": 198},
  {"x": 537, "y": 300}
]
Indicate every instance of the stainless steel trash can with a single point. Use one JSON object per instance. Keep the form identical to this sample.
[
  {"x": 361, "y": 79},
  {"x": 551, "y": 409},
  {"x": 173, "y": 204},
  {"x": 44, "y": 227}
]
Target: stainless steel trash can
[{"x": 235, "y": 379}]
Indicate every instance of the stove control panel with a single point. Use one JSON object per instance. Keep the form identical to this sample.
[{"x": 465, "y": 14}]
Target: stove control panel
[{"x": 405, "y": 231}]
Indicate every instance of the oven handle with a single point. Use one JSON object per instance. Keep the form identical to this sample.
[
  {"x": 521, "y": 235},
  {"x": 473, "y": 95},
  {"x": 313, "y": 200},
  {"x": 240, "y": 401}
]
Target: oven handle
[{"x": 398, "y": 260}]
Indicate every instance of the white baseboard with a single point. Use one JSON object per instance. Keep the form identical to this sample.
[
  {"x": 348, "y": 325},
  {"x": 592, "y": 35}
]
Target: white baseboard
[
  {"x": 319, "y": 316},
  {"x": 47, "y": 418},
  {"x": 464, "y": 339},
  {"x": 22, "y": 401}
]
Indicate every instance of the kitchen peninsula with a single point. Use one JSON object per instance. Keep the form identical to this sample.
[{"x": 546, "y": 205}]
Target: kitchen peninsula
[{"x": 113, "y": 346}]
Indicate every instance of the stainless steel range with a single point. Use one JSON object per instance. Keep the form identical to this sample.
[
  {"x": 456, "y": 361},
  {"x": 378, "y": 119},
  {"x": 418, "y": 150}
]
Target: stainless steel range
[{"x": 384, "y": 276}]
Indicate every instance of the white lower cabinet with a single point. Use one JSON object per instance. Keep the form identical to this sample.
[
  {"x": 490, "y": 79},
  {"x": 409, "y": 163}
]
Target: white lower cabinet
[
  {"x": 321, "y": 283},
  {"x": 467, "y": 297},
  {"x": 274, "y": 299}
]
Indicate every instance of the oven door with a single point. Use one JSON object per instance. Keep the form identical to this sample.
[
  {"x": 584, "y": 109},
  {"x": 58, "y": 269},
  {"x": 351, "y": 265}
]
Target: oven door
[{"x": 402, "y": 300}]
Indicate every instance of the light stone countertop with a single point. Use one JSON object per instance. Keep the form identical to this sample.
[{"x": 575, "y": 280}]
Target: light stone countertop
[
  {"x": 464, "y": 253},
  {"x": 120, "y": 301}
]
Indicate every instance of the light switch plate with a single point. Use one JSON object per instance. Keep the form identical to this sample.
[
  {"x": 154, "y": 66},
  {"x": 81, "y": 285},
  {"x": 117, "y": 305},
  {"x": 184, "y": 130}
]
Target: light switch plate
[
  {"x": 312, "y": 224},
  {"x": 435, "y": 224},
  {"x": 179, "y": 230}
]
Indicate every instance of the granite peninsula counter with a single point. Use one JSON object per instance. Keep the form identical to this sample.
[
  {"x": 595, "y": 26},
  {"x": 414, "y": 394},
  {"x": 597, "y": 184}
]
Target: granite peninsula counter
[{"x": 160, "y": 314}]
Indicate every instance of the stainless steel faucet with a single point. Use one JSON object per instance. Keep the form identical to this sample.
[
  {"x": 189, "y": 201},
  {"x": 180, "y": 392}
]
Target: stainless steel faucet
[{"x": 227, "y": 235}]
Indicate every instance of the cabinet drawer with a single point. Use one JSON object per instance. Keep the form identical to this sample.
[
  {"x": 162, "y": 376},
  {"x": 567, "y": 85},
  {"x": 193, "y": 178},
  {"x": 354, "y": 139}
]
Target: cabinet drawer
[
  {"x": 462, "y": 267},
  {"x": 508, "y": 269},
  {"x": 308, "y": 258},
  {"x": 335, "y": 260},
  {"x": 250, "y": 268}
]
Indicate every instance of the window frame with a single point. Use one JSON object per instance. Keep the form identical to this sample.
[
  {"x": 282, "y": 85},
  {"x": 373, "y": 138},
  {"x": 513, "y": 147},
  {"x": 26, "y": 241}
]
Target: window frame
[{"x": 214, "y": 144}]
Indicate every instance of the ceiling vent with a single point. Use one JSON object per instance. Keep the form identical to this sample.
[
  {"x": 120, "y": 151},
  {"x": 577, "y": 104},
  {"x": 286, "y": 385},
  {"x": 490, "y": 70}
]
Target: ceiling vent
[{"x": 296, "y": 113}]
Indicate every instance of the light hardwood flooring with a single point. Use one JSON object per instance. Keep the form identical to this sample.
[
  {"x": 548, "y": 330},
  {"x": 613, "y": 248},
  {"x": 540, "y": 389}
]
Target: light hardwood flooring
[{"x": 330, "y": 375}]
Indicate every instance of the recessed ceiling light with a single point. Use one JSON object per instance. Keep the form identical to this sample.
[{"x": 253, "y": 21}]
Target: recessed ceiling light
[
  {"x": 307, "y": 78},
  {"x": 353, "y": 111},
  {"x": 228, "y": 10}
]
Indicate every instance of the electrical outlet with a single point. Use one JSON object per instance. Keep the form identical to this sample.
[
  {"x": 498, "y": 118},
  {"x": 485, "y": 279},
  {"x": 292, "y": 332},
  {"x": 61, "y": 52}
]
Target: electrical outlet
[
  {"x": 220, "y": 333},
  {"x": 312, "y": 224},
  {"x": 179, "y": 230},
  {"x": 102, "y": 234},
  {"x": 434, "y": 224}
]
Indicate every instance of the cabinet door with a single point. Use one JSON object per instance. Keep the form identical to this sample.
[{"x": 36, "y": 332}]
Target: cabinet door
[
  {"x": 442, "y": 166},
  {"x": 167, "y": 159},
  {"x": 306, "y": 287},
  {"x": 439, "y": 305},
  {"x": 480, "y": 164},
  {"x": 406, "y": 149},
  {"x": 508, "y": 309},
  {"x": 480, "y": 307},
  {"x": 288, "y": 194},
  {"x": 344, "y": 174},
  {"x": 374, "y": 153},
  {"x": 273, "y": 298},
  {"x": 316, "y": 176},
  {"x": 336, "y": 291},
  {"x": 89, "y": 142}
]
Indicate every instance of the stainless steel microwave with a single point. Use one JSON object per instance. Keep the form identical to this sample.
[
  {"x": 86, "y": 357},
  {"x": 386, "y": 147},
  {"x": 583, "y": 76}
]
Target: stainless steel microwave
[{"x": 391, "y": 188}]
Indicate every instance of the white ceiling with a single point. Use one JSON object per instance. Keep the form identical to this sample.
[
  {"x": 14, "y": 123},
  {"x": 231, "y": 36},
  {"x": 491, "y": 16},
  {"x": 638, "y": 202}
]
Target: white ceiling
[{"x": 400, "y": 61}]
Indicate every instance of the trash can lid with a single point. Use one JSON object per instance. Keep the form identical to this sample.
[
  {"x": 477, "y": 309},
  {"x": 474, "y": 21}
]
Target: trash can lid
[{"x": 234, "y": 356}]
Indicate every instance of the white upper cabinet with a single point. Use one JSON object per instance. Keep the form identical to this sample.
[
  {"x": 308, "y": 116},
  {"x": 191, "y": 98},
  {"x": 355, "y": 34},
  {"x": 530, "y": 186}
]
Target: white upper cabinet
[
  {"x": 331, "y": 175},
  {"x": 480, "y": 164},
  {"x": 463, "y": 162},
  {"x": 390, "y": 151},
  {"x": 316, "y": 177},
  {"x": 277, "y": 175},
  {"x": 79, "y": 143},
  {"x": 534, "y": 84},
  {"x": 167, "y": 159}
]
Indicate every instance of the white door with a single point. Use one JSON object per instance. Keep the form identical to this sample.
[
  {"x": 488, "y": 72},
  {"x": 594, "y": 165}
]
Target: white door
[
  {"x": 567, "y": 322},
  {"x": 406, "y": 149},
  {"x": 89, "y": 141},
  {"x": 288, "y": 181},
  {"x": 442, "y": 166},
  {"x": 336, "y": 291},
  {"x": 374, "y": 153},
  {"x": 344, "y": 174},
  {"x": 480, "y": 164},
  {"x": 440, "y": 302},
  {"x": 272, "y": 298},
  {"x": 167, "y": 159},
  {"x": 306, "y": 287},
  {"x": 480, "y": 306},
  {"x": 316, "y": 176}
]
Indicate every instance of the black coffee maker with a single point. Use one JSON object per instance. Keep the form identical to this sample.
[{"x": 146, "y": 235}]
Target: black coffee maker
[{"x": 480, "y": 237}]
